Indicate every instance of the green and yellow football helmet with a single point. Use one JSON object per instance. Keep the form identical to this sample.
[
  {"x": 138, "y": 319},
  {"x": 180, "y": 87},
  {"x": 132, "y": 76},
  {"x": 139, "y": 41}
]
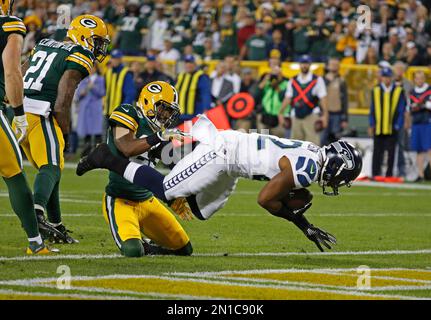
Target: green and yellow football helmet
[
  {"x": 6, "y": 7},
  {"x": 90, "y": 32},
  {"x": 158, "y": 102}
]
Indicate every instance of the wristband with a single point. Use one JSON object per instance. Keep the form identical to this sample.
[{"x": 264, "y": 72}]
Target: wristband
[
  {"x": 18, "y": 111},
  {"x": 153, "y": 140}
]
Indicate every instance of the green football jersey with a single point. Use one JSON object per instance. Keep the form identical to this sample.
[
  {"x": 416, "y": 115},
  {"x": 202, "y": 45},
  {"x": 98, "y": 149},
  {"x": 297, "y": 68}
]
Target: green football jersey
[
  {"x": 129, "y": 117},
  {"x": 48, "y": 62},
  {"x": 130, "y": 33},
  {"x": 9, "y": 25}
]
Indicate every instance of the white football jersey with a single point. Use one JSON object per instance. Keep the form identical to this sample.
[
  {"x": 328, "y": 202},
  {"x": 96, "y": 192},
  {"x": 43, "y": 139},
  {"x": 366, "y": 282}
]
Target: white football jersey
[{"x": 256, "y": 156}]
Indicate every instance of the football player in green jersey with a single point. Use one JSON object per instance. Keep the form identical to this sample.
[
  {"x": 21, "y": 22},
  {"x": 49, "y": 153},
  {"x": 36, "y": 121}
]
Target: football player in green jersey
[
  {"x": 12, "y": 32},
  {"x": 53, "y": 73},
  {"x": 138, "y": 134}
]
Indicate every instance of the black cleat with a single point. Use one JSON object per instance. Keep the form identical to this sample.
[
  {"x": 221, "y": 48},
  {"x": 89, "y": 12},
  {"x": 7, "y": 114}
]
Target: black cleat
[
  {"x": 96, "y": 159},
  {"x": 46, "y": 229},
  {"x": 63, "y": 237}
]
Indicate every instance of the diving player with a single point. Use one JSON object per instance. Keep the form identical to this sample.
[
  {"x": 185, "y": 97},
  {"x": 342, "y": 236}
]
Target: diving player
[
  {"x": 208, "y": 175},
  {"x": 139, "y": 134},
  {"x": 55, "y": 69},
  {"x": 12, "y": 34}
]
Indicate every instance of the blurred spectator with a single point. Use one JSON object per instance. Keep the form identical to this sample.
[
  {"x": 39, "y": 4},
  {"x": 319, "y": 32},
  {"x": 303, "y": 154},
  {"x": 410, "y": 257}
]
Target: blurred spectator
[
  {"x": 278, "y": 44},
  {"x": 169, "y": 52},
  {"x": 388, "y": 53},
  {"x": 319, "y": 36},
  {"x": 248, "y": 85},
  {"x": 347, "y": 44},
  {"x": 120, "y": 86},
  {"x": 371, "y": 56},
  {"x": 256, "y": 46},
  {"x": 228, "y": 36},
  {"x": 209, "y": 52},
  {"x": 412, "y": 57},
  {"x": 231, "y": 72},
  {"x": 271, "y": 91},
  {"x": 420, "y": 110},
  {"x": 427, "y": 55},
  {"x": 151, "y": 73},
  {"x": 80, "y": 7},
  {"x": 221, "y": 86},
  {"x": 423, "y": 26},
  {"x": 306, "y": 94},
  {"x": 386, "y": 118},
  {"x": 130, "y": 30},
  {"x": 159, "y": 28},
  {"x": 346, "y": 13},
  {"x": 194, "y": 89},
  {"x": 246, "y": 31},
  {"x": 337, "y": 102},
  {"x": 89, "y": 97},
  {"x": 301, "y": 36},
  {"x": 33, "y": 24}
]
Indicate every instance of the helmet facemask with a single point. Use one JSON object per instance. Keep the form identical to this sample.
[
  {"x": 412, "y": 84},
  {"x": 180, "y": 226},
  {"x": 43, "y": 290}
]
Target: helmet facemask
[
  {"x": 99, "y": 46},
  {"x": 164, "y": 116}
]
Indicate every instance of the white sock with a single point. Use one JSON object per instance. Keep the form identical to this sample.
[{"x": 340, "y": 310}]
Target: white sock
[
  {"x": 56, "y": 224},
  {"x": 39, "y": 207},
  {"x": 37, "y": 239},
  {"x": 129, "y": 173}
]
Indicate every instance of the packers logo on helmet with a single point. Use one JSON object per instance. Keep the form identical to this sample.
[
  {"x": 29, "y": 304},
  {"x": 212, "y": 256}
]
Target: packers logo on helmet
[
  {"x": 90, "y": 32},
  {"x": 6, "y": 7},
  {"x": 158, "y": 102}
]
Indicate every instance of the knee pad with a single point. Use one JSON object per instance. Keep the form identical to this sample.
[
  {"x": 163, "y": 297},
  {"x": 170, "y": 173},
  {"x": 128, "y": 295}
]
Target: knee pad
[
  {"x": 187, "y": 250},
  {"x": 132, "y": 248}
]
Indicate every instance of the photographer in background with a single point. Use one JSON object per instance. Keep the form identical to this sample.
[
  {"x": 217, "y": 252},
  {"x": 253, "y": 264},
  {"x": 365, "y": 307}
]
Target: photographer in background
[
  {"x": 337, "y": 102},
  {"x": 270, "y": 93}
]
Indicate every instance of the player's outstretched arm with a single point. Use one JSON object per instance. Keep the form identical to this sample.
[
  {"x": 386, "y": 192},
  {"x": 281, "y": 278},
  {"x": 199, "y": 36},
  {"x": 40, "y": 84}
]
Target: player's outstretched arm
[
  {"x": 66, "y": 90},
  {"x": 270, "y": 198}
]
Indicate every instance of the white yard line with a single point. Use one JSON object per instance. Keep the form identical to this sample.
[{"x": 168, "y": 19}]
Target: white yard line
[
  {"x": 65, "y": 295},
  {"x": 220, "y": 254}
]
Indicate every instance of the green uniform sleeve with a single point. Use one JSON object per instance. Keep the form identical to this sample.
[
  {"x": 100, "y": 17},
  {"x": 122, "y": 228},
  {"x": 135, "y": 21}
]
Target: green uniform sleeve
[
  {"x": 125, "y": 116},
  {"x": 80, "y": 59},
  {"x": 14, "y": 25}
]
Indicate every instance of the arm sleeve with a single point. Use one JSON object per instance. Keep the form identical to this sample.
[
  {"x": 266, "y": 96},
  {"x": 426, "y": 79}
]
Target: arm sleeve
[{"x": 129, "y": 89}]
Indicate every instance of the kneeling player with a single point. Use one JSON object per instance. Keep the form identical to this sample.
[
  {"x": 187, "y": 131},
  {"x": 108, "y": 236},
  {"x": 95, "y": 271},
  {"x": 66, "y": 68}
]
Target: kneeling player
[
  {"x": 209, "y": 174},
  {"x": 137, "y": 133}
]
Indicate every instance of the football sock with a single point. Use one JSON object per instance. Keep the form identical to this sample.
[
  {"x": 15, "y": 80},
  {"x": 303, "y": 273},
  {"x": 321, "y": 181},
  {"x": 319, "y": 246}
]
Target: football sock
[
  {"x": 146, "y": 177},
  {"x": 53, "y": 207},
  {"x": 21, "y": 199},
  {"x": 44, "y": 184}
]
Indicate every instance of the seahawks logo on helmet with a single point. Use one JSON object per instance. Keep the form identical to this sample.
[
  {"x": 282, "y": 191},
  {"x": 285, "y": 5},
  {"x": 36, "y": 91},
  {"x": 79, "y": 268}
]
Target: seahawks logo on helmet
[
  {"x": 346, "y": 155},
  {"x": 88, "y": 23},
  {"x": 155, "y": 88}
]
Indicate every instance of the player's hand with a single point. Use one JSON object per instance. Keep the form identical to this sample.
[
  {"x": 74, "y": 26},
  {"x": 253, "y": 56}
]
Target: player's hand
[
  {"x": 21, "y": 126},
  {"x": 181, "y": 207},
  {"x": 319, "y": 237},
  {"x": 172, "y": 134}
]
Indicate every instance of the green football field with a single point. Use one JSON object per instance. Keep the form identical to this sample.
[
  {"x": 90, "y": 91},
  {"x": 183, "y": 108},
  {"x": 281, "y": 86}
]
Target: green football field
[{"x": 242, "y": 252}]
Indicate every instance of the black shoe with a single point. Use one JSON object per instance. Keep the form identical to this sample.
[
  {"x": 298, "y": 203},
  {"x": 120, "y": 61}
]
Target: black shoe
[
  {"x": 64, "y": 236},
  {"x": 86, "y": 151},
  {"x": 419, "y": 179},
  {"x": 46, "y": 229},
  {"x": 95, "y": 160}
]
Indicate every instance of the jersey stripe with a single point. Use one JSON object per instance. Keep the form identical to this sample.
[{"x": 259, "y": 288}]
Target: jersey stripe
[
  {"x": 83, "y": 56},
  {"x": 80, "y": 62},
  {"x": 124, "y": 117}
]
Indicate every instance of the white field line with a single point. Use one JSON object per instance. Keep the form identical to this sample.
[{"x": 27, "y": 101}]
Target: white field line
[
  {"x": 348, "y": 194},
  {"x": 220, "y": 254},
  {"x": 70, "y": 200},
  {"x": 317, "y": 285},
  {"x": 409, "y": 186},
  {"x": 65, "y": 295},
  {"x": 218, "y": 282}
]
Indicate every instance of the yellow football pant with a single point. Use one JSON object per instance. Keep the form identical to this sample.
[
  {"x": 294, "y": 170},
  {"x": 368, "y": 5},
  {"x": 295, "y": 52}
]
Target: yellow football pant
[
  {"x": 128, "y": 219},
  {"x": 44, "y": 143},
  {"x": 10, "y": 154}
]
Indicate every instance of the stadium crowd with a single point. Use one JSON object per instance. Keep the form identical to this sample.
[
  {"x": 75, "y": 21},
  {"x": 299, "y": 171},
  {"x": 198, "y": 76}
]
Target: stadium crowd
[{"x": 191, "y": 33}]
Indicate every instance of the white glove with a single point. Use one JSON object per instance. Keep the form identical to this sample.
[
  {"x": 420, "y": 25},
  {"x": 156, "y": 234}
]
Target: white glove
[
  {"x": 172, "y": 134},
  {"x": 21, "y": 126}
]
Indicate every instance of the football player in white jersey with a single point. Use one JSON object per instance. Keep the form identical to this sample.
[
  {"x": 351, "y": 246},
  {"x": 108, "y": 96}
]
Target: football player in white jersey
[{"x": 208, "y": 175}]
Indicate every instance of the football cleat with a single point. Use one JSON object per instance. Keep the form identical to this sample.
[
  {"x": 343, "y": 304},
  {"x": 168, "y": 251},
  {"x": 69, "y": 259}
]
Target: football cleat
[
  {"x": 63, "y": 237},
  {"x": 95, "y": 159},
  {"x": 181, "y": 208},
  {"x": 40, "y": 249}
]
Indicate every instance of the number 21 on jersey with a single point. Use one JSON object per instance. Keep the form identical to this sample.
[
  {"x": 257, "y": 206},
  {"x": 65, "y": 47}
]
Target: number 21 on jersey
[{"x": 35, "y": 75}]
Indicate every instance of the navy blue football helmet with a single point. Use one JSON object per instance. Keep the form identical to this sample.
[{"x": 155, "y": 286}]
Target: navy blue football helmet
[{"x": 341, "y": 164}]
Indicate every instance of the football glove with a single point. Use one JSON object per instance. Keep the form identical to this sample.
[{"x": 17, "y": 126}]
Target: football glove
[
  {"x": 181, "y": 207},
  {"x": 319, "y": 237},
  {"x": 171, "y": 134},
  {"x": 21, "y": 126}
]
